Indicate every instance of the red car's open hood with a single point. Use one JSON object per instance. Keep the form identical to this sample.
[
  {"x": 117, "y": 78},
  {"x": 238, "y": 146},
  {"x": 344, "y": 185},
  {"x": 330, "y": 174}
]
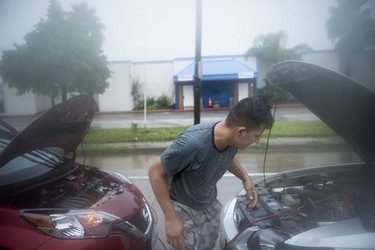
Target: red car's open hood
[
  {"x": 63, "y": 126},
  {"x": 342, "y": 103}
]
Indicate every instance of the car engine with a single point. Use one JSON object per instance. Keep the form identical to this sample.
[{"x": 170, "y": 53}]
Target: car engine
[
  {"x": 292, "y": 211},
  {"x": 83, "y": 188}
]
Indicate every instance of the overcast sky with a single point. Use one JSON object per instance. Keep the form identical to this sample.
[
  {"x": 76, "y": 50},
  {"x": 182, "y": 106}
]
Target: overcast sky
[{"x": 139, "y": 30}]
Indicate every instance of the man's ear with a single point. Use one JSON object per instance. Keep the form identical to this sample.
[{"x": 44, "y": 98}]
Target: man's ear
[{"x": 240, "y": 131}]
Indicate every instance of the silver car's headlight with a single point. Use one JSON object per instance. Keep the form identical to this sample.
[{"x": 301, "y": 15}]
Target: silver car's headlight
[{"x": 71, "y": 224}]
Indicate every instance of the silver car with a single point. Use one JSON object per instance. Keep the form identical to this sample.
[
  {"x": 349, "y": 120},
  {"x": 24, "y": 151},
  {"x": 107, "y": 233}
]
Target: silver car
[{"x": 327, "y": 207}]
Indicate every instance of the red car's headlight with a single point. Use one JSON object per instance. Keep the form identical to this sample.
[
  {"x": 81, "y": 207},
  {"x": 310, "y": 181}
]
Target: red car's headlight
[{"x": 71, "y": 224}]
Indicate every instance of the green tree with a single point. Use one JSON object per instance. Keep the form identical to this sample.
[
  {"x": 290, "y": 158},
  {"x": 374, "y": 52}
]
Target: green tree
[
  {"x": 270, "y": 49},
  {"x": 62, "y": 54},
  {"x": 352, "y": 29}
]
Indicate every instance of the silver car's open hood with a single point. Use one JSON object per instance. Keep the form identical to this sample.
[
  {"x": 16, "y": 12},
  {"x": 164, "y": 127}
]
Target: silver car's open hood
[
  {"x": 342, "y": 103},
  {"x": 63, "y": 126}
]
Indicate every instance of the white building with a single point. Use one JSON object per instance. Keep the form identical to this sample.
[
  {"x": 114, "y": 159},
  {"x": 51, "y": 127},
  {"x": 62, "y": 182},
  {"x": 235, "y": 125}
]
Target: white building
[{"x": 159, "y": 77}]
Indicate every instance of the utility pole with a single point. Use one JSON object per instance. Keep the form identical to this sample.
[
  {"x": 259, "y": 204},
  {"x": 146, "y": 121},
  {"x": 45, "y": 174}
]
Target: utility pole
[
  {"x": 197, "y": 68},
  {"x": 144, "y": 64}
]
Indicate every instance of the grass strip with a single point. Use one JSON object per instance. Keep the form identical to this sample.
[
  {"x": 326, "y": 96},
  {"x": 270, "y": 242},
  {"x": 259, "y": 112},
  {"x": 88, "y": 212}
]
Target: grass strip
[{"x": 280, "y": 129}]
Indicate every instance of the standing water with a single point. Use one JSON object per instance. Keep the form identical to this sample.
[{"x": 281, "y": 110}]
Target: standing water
[{"x": 138, "y": 164}]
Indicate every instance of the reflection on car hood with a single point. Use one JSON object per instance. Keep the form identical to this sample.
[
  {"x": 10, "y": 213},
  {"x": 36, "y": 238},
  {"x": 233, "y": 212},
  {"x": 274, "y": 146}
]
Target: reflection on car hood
[
  {"x": 63, "y": 126},
  {"x": 342, "y": 103}
]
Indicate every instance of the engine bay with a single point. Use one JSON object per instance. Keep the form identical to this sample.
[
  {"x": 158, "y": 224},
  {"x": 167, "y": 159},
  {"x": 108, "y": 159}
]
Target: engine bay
[
  {"x": 83, "y": 188},
  {"x": 296, "y": 204}
]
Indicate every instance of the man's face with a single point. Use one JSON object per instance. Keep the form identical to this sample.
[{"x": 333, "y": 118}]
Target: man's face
[{"x": 245, "y": 138}]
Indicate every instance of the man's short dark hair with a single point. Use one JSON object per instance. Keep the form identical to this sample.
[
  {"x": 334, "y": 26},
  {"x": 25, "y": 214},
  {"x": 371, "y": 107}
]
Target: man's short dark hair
[{"x": 251, "y": 113}]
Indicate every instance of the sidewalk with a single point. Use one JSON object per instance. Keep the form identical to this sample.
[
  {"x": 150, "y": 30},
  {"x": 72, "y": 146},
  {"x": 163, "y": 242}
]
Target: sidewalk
[
  {"x": 170, "y": 118},
  {"x": 164, "y": 118}
]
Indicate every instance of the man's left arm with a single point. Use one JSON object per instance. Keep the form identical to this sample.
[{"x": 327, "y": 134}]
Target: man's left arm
[{"x": 252, "y": 194}]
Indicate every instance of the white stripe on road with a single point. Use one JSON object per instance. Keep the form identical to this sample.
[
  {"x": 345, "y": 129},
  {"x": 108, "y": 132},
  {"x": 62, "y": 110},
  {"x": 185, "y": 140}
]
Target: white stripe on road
[{"x": 145, "y": 177}]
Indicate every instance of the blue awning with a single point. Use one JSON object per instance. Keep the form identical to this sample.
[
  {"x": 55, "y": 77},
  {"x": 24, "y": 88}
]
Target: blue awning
[{"x": 223, "y": 69}]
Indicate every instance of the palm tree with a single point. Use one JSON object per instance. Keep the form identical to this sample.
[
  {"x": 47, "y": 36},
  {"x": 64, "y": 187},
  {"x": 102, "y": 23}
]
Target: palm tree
[
  {"x": 270, "y": 49},
  {"x": 352, "y": 29}
]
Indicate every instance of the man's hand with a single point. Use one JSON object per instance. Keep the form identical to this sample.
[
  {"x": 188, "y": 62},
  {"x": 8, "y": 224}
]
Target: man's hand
[
  {"x": 174, "y": 228},
  {"x": 176, "y": 234},
  {"x": 240, "y": 172},
  {"x": 251, "y": 192}
]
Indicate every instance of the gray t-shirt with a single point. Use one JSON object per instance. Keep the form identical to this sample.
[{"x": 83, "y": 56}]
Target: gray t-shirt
[{"x": 194, "y": 165}]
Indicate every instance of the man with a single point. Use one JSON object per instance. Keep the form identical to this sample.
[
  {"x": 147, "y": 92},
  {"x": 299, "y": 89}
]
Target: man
[{"x": 184, "y": 178}]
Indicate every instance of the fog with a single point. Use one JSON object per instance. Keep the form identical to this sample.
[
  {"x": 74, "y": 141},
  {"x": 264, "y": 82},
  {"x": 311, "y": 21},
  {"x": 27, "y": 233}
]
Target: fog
[{"x": 141, "y": 30}]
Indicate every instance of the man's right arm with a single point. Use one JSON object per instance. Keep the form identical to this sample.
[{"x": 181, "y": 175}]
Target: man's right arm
[{"x": 175, "y": 231}]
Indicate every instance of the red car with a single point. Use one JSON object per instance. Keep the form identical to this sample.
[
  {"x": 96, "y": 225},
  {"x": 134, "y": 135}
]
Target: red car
[{"x": 49, "y": 201}]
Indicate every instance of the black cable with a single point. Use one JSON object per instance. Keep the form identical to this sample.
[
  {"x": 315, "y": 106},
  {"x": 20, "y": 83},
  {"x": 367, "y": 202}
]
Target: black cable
[
  {"x": 265, "y": 154},
  {"x": 84, "y": 154}
]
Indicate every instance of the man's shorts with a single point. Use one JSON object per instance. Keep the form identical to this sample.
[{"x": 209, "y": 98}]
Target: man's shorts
[{"x": 202, "y": 226}]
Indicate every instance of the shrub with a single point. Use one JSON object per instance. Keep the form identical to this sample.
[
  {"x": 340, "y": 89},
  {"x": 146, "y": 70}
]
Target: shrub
[{"x": 163, "y": 102}]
